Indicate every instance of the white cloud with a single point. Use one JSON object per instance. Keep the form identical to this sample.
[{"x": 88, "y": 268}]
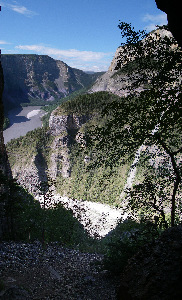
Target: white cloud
[
  {"x": 2, "y": 42},
  {"x": 84, "y": 60},
  {"x": 71, "y": 53},
  {"x": 153, "y": 20},
  {"x": 18, "y": 8},
  {"x": 160, "y": 18}
]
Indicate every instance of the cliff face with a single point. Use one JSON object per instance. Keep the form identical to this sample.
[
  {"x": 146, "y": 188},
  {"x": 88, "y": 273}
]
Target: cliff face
[
  {"x": 71, "y": 153},
  {"x": 37, "y": 165},
  {"x": 4, "y": 165},
  {"x": 114, "y": 80},
  {"x": 65, "y": 129},
  {"x": 39, "y": 78},
  {"x": 173, "y": 11},
  {"x": 118, "y": 80}
]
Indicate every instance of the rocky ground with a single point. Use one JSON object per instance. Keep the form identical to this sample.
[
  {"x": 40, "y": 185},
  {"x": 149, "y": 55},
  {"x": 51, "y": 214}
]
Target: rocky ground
[
  {"x": 98, "y": 219},
  {"x": 29, "y": 271}
]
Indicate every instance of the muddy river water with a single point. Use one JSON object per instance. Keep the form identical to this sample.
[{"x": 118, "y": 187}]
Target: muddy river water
[{"x": 23, "y": 120}]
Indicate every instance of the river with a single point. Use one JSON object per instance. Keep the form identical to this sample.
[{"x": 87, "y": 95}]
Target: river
[{"x": 23, "y": 120}]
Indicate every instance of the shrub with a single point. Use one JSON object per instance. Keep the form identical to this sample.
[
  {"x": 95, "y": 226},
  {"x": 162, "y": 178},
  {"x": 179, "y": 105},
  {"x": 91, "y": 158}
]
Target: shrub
[{"x": 125, "y": 241}]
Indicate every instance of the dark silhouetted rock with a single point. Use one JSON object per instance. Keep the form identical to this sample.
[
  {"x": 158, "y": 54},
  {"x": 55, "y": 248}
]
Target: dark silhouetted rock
[
  {"x": 173, "y": 10},
  {"x": 5, "y": 171}
]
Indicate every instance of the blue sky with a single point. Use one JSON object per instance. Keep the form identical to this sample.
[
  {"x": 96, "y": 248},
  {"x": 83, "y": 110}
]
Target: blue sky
[{"x": 82, "y": 33}]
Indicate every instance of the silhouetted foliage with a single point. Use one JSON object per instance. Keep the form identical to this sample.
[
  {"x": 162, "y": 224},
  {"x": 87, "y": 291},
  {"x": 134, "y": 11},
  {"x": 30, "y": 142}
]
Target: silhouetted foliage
[
  {"x": 126, "y": 240},
  {"x": 158, "y": 59}
]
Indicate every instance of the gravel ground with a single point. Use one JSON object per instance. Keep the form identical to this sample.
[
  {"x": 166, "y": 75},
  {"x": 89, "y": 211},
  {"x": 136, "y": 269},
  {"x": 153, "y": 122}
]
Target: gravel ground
[{"x": 29, "y": 271}]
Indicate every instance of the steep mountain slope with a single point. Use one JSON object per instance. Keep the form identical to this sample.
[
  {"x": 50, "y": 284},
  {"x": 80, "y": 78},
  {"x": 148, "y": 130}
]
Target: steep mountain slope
[
  {"x": 68, "y": 153},
  {"x": 111, "y": 149},
  {"x": 125, "y": 72},
  {"x": 89, "y": 151},
  {"x": 38, "y": 79}
]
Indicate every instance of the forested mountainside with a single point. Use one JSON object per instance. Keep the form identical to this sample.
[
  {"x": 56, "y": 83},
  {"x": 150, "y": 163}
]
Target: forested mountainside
[
  {"x": 40, "y": 79},
  {"x": 100, "y": 145},
  {"x": 120, "y": 150},
  {"x": 123, "y": 151},
  {"x": 89, "y": 152},
  {"x": 67, "y": 152},
  {"x": 104, "y": 147}
]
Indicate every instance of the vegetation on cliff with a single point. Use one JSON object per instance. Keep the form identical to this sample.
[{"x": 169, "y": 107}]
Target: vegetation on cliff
[
  {"x": 101, "y": 158},
  {"x": 102, "y": 133}
]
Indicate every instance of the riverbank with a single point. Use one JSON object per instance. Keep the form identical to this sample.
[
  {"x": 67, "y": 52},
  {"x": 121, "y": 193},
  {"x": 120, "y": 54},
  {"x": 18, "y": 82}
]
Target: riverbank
[{"x": 23, "y": 120}]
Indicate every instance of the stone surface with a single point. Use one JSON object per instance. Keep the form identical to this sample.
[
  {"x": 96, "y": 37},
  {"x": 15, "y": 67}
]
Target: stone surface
[
  {"x": 60, "y": 127},
  {"x": 30, "y": 271},
  {"x": 118, "y": 82},
  {"x": 30, "y": 173}
]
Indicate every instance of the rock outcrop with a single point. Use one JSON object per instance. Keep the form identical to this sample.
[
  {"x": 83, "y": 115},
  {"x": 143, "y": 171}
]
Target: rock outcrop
[
  {"x": 173, "y": 10},
  {"x": 155, "y": 272},
  {"x": 37, "y": 166},
  {"x": 117, "y": 79},
  {"x": 112, "y": 81},
  {"x": 31, "y": 173},
  {"x": 65, "y": 128},
  {"x": 39, "y": 78}
]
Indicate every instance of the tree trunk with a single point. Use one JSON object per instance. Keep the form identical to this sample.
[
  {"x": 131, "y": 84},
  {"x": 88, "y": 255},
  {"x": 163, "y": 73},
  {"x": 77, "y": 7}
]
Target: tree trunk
[{"x": 177, "y": 175}]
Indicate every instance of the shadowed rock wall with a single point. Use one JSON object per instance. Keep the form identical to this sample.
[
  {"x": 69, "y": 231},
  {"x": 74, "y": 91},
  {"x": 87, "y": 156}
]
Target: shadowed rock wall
[
  {"x": 5, "y": 172},
  {"x": 173, "y": 10}
]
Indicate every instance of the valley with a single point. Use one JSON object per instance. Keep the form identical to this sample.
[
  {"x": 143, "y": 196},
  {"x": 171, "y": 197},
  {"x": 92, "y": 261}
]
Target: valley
[
  {"x": 40, "y": 80},
  {"x": 98, "y": 145},
  {"x": 102, "y": 174}
]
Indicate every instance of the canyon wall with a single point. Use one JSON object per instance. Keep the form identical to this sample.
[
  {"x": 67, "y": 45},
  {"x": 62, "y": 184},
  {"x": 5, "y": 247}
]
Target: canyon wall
[
  {"x": 39, "y": 79},
  {"x": 120, "y": 81},
  {"x": 5, "y": 171}
]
